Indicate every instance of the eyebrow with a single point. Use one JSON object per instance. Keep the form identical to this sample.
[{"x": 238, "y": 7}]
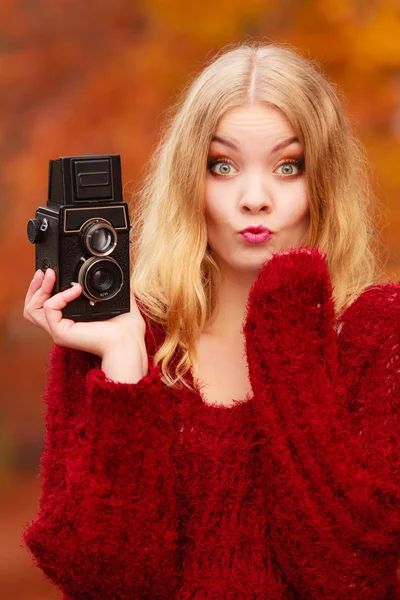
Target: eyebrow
[{"x": 288, "y": 142}]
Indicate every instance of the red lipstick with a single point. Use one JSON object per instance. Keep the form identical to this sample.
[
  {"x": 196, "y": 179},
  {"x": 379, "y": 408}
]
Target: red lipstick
[{"x": 256, "y": 234}]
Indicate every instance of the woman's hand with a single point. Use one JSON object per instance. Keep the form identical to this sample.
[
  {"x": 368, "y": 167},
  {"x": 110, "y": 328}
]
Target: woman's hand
[{"x": 97, "y": 337}]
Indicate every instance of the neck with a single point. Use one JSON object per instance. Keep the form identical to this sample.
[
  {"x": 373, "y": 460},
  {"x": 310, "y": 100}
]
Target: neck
[{"x": 229, "y": 314}]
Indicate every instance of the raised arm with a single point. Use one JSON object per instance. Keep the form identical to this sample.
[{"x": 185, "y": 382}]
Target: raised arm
[{"x": 333, "y": 497}]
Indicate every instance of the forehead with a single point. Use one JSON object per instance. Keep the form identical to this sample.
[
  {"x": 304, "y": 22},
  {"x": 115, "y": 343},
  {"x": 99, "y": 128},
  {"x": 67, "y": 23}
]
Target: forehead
[{"x": 258, "y": 120}]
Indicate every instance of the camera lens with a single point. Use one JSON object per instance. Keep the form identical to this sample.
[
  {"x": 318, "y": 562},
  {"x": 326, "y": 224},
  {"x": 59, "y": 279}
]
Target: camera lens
[
  {"x": 99, "y": 237},
  {"x": 101, "y": 278},
  {"x": 101, "y": 240}
]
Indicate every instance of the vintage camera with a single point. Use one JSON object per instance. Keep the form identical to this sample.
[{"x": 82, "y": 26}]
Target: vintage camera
[{"x": 83, "y": 234}]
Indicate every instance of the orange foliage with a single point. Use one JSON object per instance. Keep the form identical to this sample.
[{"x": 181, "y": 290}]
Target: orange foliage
[{"x": 92, "y": 77}]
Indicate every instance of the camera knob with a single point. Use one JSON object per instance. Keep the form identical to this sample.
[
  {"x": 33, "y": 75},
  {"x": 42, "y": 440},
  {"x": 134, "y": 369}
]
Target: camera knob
[{"x": 35, "y": 231}]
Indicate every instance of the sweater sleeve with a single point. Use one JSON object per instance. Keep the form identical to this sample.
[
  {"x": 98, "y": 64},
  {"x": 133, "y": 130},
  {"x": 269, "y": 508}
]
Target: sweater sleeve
[
  {"x": 106, "y": 525},
  {"x": 333, "y": 491}
]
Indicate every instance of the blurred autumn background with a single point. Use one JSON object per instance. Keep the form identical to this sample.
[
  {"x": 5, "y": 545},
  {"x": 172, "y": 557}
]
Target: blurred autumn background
[{"x": 97, "y": 77}]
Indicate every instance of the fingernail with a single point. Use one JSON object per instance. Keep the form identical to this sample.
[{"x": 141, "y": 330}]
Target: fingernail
[
  {"x": 37, "y": 273},
  {"x": 74, "y": 283}
]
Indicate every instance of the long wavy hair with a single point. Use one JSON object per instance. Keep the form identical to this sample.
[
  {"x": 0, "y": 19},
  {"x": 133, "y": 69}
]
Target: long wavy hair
[{"x": 175, "y": 275}]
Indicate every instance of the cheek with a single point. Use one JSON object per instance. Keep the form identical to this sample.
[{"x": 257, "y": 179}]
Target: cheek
[
  {"x": 215, "y": 206},
  {"x": 305, "y": 204},
  {"x": 297, "y": 205},
  {"x": 214, "y": 215}
]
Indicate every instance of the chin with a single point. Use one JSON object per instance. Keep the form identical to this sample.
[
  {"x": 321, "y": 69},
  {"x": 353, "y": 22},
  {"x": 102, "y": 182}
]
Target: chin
[{"x": 251, "y": 267}]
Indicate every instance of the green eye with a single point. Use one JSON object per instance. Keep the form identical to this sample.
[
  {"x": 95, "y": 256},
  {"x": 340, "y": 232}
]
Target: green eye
[
  {"x": 221, "y": 167},
  {"x": 224, "y": 169},
  {"x": 290, "y": 168},
  {"x": 287, "y": 169}
]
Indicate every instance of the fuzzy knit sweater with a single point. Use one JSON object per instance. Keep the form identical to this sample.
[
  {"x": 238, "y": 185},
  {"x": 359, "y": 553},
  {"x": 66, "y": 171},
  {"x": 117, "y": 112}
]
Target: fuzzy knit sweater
[{"x": 292, "y": 493}]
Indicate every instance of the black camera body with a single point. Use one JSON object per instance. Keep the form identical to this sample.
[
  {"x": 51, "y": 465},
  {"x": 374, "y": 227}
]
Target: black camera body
[{"x": 83, "y": 234}]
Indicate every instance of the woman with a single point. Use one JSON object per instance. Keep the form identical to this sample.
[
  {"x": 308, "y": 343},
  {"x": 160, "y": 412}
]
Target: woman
[{"x": 232, "y": 438}]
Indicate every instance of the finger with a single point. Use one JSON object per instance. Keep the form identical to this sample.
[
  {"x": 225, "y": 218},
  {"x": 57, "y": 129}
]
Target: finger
[
  {"x": 33, "y": 309},
  {"x": 35, "y": 298},
  {"x": 48, "y": 283},
  {"x": 44, "y": 291},
  {"x": 34, "y": 286},
  {"x": 53, "y": 307}
]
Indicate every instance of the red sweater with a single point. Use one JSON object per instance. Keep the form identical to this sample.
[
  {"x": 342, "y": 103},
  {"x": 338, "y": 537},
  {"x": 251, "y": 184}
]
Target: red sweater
[{"x": 149, "y": 493}]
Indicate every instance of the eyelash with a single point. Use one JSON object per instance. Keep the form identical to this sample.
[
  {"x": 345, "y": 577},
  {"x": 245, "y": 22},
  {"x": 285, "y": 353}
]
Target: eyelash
[{"x": 298, "y": 163}]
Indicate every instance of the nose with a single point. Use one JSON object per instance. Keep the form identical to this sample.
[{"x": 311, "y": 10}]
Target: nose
[{"x": 255, "y": 193}]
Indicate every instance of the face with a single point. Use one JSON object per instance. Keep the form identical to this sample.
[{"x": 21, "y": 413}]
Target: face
[{"x": 255, "y": 176}]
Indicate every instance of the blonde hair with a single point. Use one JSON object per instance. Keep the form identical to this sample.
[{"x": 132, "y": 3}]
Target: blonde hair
[{"x": 174, "y": 273}]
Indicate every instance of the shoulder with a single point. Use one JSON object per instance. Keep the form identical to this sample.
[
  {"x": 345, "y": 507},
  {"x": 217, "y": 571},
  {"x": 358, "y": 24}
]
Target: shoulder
[
  {"x": 373, "y": 319},
  {"x": 379, "y": 301}
]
